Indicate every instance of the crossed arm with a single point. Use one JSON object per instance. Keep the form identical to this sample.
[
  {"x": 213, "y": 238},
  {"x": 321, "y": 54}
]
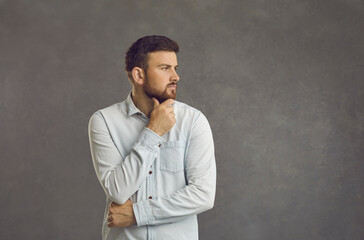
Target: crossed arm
[{"x": 119, "y": 183}]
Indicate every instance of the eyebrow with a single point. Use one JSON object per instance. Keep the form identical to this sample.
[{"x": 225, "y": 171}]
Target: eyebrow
[{"x": 167, "y": 65}]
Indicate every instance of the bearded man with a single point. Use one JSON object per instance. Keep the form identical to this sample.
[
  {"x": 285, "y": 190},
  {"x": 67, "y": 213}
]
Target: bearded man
[{"x": 153, "y": 156}]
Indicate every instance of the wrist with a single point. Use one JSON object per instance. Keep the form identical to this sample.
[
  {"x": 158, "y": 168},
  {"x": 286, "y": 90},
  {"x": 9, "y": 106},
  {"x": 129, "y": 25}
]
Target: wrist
[{"x": 154, "y": 130}]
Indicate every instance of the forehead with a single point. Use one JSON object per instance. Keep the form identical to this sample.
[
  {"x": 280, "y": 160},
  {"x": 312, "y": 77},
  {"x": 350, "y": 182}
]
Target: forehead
[{"x": 162, "y": 57}]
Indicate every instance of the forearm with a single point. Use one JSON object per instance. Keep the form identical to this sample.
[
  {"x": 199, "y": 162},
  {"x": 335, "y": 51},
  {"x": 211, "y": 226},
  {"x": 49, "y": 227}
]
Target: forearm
[
  {"x": 198, "y": 196},
  {"x": 189, "y": 201},
  {"x": 122, "y": 181},
  {"x": 121, "y": 176}
]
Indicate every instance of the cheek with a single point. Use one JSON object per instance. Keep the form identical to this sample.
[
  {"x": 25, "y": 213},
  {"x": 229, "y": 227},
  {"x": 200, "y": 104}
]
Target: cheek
[{"x": 158, "y": 81}]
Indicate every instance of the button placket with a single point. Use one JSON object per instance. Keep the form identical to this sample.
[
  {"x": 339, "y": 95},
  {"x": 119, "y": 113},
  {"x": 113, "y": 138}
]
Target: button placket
[{"x": 150, "y": 183}]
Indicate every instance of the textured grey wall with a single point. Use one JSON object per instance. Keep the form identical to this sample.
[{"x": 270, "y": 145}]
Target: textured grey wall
[{"x": 281, "y": 82}]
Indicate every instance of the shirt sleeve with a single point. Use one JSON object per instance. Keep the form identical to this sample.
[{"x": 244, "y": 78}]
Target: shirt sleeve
[
  {"x": 198, "y": 195},
  {"x": 120, "y": 177}
]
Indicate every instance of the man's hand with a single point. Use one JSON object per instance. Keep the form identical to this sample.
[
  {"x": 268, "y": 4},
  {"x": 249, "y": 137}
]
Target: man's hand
[
  {"x": 162, "y": 117},
  {"x": 121, "y": 215}
]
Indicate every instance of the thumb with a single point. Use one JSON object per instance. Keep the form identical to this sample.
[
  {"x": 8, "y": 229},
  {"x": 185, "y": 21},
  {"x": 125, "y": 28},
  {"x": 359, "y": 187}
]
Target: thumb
[{"x": 155, "y": 103}]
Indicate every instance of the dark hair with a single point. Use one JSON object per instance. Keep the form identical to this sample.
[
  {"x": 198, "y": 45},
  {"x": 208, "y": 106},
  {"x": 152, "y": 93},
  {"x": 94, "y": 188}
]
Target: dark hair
[{"x": 137, "y": 54}]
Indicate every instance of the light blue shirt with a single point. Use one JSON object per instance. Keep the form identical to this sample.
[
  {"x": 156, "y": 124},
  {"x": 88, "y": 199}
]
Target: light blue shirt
[{"x": 169, "y": 178}]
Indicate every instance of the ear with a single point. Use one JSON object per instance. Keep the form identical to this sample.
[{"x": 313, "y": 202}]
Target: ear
[{"x": 138, "y": 75}]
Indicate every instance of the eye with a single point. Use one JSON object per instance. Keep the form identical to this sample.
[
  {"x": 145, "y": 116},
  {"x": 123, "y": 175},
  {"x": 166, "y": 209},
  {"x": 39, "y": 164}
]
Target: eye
[{"x": 164, "y": 68}]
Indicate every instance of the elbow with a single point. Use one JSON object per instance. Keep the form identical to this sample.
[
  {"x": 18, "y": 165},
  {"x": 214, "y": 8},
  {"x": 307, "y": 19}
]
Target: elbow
[
  {"x": 208, "y": 200},
  {"x": 209, "y": 203},
  {"x": 113, "y": 193},
  {"x": 116, "y": 198},
  {"x": 205, "y": 195}
]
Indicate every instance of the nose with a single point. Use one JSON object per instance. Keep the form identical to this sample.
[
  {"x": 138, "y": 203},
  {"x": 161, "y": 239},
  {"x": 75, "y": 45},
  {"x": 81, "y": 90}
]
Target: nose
[{"x": 175, "y": 76}]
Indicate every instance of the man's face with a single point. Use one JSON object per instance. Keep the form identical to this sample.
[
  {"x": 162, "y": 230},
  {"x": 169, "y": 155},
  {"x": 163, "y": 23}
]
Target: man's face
[{"x": 161, "y": 76}]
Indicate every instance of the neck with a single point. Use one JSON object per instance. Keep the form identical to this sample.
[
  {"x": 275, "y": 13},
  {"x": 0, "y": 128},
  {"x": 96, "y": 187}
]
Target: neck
[{"x": 142, "y": 102}]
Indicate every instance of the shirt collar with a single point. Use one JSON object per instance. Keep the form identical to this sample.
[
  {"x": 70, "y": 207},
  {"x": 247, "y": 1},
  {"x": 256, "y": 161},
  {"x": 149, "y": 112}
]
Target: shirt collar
[{"x": 131, "y": 108}]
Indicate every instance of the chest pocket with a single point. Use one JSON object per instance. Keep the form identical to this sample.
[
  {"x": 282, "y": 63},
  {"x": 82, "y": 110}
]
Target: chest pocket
[{"x": 172, "y": 156}]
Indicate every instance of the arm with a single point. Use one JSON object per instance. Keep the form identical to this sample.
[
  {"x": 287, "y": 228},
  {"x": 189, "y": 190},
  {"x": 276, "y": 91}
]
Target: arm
[
  {"x": 198, "y": 195},
  {"x": 120, "y": 177}
]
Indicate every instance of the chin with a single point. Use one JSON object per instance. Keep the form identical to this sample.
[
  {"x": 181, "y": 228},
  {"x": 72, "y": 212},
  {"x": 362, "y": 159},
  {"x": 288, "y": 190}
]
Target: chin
[{"x": 165, "y": 97}]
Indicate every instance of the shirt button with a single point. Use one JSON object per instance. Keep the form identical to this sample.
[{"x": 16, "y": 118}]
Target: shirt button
[
  {"x": 159, "y": 145},
  {"x": 139, "y": 114},
  {"x": 150, "y": 197},
  {"x": 150, "y": 172}
]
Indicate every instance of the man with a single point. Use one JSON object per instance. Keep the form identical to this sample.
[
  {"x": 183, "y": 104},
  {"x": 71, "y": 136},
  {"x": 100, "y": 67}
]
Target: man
[{"x": 153, "y": 156}]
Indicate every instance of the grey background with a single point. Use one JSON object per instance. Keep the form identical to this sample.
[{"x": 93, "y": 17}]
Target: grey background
[{"x": 281, "y": 82}]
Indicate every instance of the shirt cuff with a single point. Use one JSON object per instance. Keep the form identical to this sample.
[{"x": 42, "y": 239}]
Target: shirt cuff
[
  {"x": 143, "y": 214},
  {"x": 150, "y": 140}
]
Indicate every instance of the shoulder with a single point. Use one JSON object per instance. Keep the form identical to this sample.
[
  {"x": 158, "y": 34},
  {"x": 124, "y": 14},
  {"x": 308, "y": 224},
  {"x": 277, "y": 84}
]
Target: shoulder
[
  {"x": 185, "y": 108},
  {"x": 113, "y": 111},
  {"x": 115, "y": 108},
  {"x": 196, "y": 121},
  {"x": 185, "y": 112}
]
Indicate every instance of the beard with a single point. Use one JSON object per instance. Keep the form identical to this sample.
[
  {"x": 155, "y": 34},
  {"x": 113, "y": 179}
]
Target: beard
[{"x": 161, "y": 96}]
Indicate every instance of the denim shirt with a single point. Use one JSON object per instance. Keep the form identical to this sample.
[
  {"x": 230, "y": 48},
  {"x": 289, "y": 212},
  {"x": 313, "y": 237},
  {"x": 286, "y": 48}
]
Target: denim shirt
[{"x": 169, "y": 178}]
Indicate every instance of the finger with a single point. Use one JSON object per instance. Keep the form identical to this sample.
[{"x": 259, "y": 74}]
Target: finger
[
  {"x": 155, "y": 103},
  {"x": 168, "y": 102},
  {"x": 109, "y": 219},
  {"x": 170, "y": 109},
  {"x": 113, "y": 205}
]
